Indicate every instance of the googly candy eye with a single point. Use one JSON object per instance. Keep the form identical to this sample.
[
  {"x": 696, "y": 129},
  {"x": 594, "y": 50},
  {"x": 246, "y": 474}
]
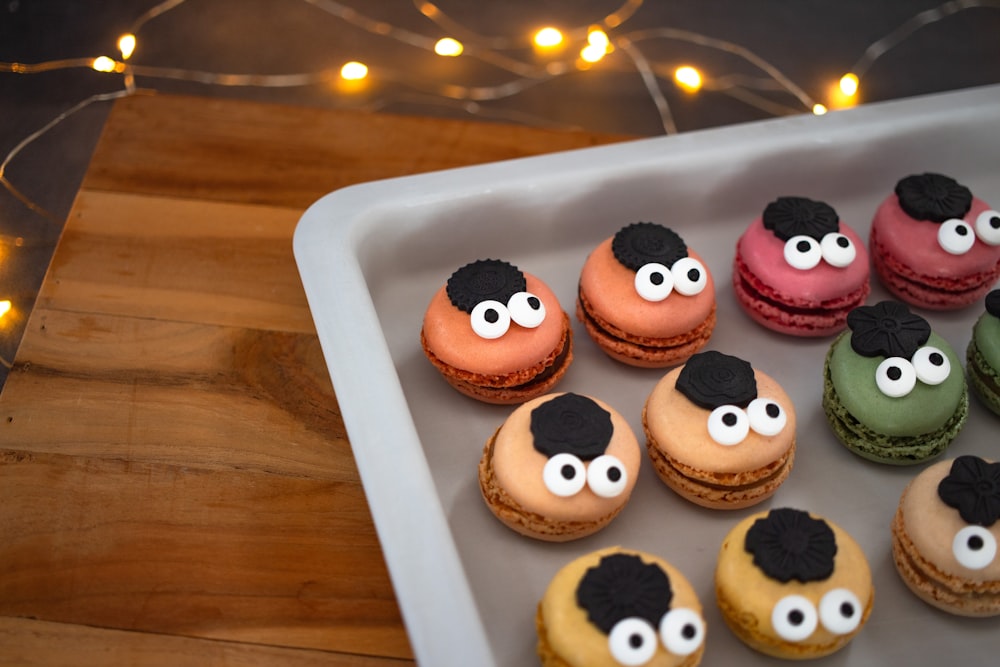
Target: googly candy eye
[
  {"x": 690, "y": 276},
  {"x": 606, "y": 476},
  {"x": 988, "y": 227},
  {"x": 802, "y": 252},
  {"x": 766, "y": 416},
  {"x": 974, "y": 547},
  {"x": 526, "y": 309},
  {"x": 654, "y": 282},
  {"x": 632, "y": 641},
  {"x": 895, "y": 377},
  {"x": 728, "y": 425},
  {"x": 837, "y": 250},
  {"x": 564, "y": 475},
  {"x": 840, "y": 611},
  {"x": 682, "y": 631},
  {"x": 794, "y": 618},
  {"x": 955, "y": 236},
  {"x": 931, "y": 365},
  {"x": 490, "y": 319}
]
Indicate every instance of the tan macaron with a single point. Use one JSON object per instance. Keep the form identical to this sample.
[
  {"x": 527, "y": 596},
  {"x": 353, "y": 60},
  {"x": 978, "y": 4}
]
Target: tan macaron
[
  {"x": 561, "y": 467},
  {"x": 792, "y": 585},
  {"x": 620, "y": 607},
  {"x": 945, "y": 535},
  {"x": 719, "y": 432}
]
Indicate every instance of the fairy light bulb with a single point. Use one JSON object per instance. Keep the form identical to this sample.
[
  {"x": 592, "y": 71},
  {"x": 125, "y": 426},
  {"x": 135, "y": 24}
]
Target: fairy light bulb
[
  {"x": 819, "y": 109},
  {"x": 446, "y": 46},
  {"x": 598, "y": 38},
  {"x": 849, "y": 84},
  {"x": 548, "y": 38},
  {"x": 5, "y": 307},
  {"x": 688, "y": 78},
  {"x": 593, "y": 53},
  {"x": 353, "y": 71},
  {"x": 126, "y": 44},
  {"x": 103, "y": 64}
]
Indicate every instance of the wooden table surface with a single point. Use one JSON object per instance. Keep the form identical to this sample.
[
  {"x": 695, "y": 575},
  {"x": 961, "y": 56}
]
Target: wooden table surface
[{"x": 176, "y": 483}]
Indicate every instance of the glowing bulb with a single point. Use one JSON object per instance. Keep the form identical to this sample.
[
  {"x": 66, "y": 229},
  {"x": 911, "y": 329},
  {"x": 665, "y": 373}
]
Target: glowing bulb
[
  {"x": 353, "y": 71},
  {"x": 849, "y": 84},
  {"x": 103, "y": 64},
  {"x": 598, "y": 37},
  {"x": 447, "y": 46},
  {"x": 5, "y": 307},
  {"x": 819, "y": 109},
  {"x": 688, "y": 78},
  {"x": 126, "y": 44},
  {"x": 548, "y": 38},
  {"x": 593, "y": 52}
]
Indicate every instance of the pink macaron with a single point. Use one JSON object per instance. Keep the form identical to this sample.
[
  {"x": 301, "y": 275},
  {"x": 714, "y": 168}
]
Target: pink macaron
[
  {"x": 799, "y": 270},
  {"x": 934, "y": 244}
]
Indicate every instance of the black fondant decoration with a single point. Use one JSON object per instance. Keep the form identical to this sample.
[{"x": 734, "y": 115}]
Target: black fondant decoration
[
  {"x": 622, "y": 586},
  {"x": 798, "y": 216},
  {"x": 642, "y": 243},
  {"x": 887, "y": 329},
  {"x": 993, "y": 303},
  {"x": 973, "y": 488},
  {"x": 710, "y": 379},
  {"x": 572, "y": 424},
  {"x": 482, "y": 280},
  {"x": 789, "y": 544},
  {"x": 933, "y": 197}
]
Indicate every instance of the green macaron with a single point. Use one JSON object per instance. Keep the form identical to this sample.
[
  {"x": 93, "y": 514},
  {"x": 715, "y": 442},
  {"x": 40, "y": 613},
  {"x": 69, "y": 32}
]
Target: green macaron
[
  {"x": 983, "y": 354},
  {"x": 894, "y": 391}
]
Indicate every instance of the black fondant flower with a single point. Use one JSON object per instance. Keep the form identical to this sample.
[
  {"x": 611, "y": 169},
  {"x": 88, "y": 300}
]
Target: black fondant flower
[
  {"x": 710, "y": 379},
  {"x": 887, "y": 329},
  {"x": 789, "y": 544},
  {"x": 642, "y": 243},
  {"x": 795, "y": 216},
  {"x": 973, "y": 488},
  {"x": 622, "y": 586},
  {"x": 933, "y": 197},
  {"x": 993, "y": 303},
  {"x": 484, "y": 279},
  {"x": 571, "y": 424}
]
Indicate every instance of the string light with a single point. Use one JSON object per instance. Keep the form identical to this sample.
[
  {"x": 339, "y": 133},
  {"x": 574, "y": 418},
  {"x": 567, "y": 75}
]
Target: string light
[
  {"x": 819, "y": 109},
  {"x": 849, "y": 84},
  {"x": 688, "y": 78},
  {"x": 548, "y": 38},
  {"x": 354, "y": 71},
  {"x": 126, "y": 45},
  {"x": 5, "y": 306},
  {"x": 446, "y": 46},
  {"x": 103, "y": 64}
]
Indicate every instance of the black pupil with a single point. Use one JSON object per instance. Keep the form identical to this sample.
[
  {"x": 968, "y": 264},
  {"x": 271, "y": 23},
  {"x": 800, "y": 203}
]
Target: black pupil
[
  {"x": 533, "y": 302},
  {"x": 995, "y": 222},
  {"x": 961, "y": 230},
  {"x": 975, "y": 543},
  {"x": 894, "y": 373},
  {"x": 936, "y": 359},
  {"x": 795, "y": 617},
  {"x": 802, "y": 246},
  {"x": 843, "y": 242},
  {"x": 729, "y": 419},
  {"x": 689, "y": 631},
  {"x": 773, "y": 410},
  {"x": 491, "y": 316},
  {"x": 614, "y": 474},
  {"x": 656, "y": 278},
  {"x": 568, "y": 472},
  {"x": 694, "y": 275},
  {"x": 635, "y": 641},
  {"x": 847, "y": 610}
]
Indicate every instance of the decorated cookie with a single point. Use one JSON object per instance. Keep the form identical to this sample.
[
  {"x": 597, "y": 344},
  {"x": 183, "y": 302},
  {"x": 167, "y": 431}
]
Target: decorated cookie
[
  {"x": 945, "y": 534},
  {"x": 983, "y": 354},
  {"x": 561, "y": 467},
  {"x": 893, "y": 390},
  {"x": 620, "y": 607},
  {"x": 934, "y": 244},
  {"x": 645, "y": 298},
  {"x": 497, "y": 334},
  {"x": 799, "y": 269},
  {"x": 793, "y": 585},
  {"x": 719, "y": 432}
]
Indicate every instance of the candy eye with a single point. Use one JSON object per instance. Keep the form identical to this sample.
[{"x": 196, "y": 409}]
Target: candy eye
[
  {"x": 840, "y": 611},
  {"x": 564, "y": 475},
  {"x": 526, "y": 309},
  {"x": 837, "y": 250},
  {"x": 653, "y": 282},
  {"x": 690, "y": 277},
  {"x": 490, "y": 319},
  {"x": 955, "y": 236},
  {"x": 802, "y": 252},
  {"x": 606, "y": 476},
  {"x": 632, "y": 641},
  {"x": 794, "y": 618},
  {"x": 931, "y": 365},
  {"x": 682, "y": 631},
  {"x": 728, "y": 425},
  {"x": 974, "y": 547},
  {"x": 988, "y": 227},
  {"x": 895, "y": 377},
  {"x": 766, "y": 416}
]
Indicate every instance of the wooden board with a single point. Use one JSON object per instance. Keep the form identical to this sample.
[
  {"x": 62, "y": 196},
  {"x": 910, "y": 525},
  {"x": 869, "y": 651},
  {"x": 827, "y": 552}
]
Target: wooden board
[{"x": 175, "y": 477}]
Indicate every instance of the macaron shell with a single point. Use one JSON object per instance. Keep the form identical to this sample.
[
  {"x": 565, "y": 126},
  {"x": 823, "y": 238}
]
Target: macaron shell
[
  {"x": 566, "y": 637},
  {"x": 746, "y": 597},
  {"x": 983, "y": 361}
]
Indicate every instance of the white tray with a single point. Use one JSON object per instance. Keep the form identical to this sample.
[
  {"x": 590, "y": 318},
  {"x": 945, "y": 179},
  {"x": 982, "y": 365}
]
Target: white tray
[{"x": 371, "y": 255}]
